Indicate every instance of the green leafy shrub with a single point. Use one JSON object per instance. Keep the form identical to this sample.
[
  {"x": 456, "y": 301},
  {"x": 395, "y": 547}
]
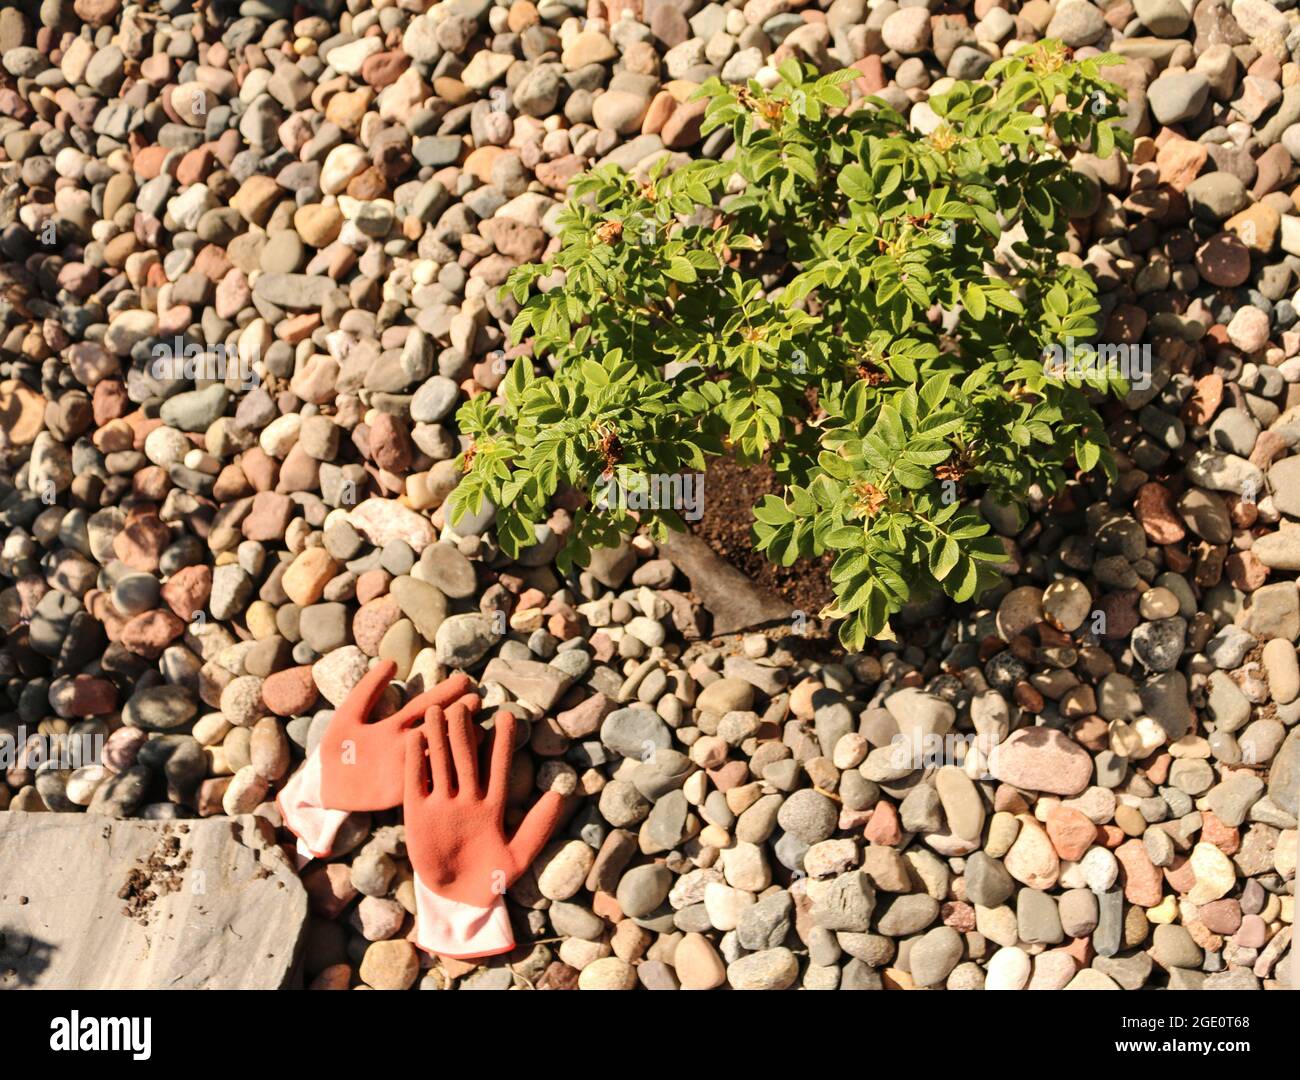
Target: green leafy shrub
[{"x": 864, "y": 304}]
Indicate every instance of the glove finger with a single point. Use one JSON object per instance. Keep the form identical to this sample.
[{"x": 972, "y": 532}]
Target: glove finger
[
  {"x": 416, "y": 767},
  {"x": 503, "y": 750},
  {"x": 460, "y": 733},
  {"x": 447, "y": 691},
  {"x": 414, "y": 710},
  {"x": 470, "y": 701},
  {"x": 435, "y": 734},
  {"x": 536, "y": 830},
  {"x": 360, "y": 702}
]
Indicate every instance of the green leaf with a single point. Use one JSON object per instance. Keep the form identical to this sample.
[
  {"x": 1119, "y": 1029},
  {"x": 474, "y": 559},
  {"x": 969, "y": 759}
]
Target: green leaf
[
  {"x": 592, "y": 373},
  {"x": 1007, "y": 301},
  {"x": 935, "y": 390},
  {"x": 790, "y": 71},
  {"x": 1104, "y": 141},
  {"x": 967, "y": 581},
  {"x": 772, "y": 511},
  {"x": 855, "y": 182},
  {"x": 680, "y": 269},
  {"x": 1087, "y": 454},
  {"x": 943, "y": 557}
]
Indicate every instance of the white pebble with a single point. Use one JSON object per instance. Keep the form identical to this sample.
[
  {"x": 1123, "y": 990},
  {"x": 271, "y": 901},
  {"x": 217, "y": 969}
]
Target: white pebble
[{"x": 1008, "y": 970}]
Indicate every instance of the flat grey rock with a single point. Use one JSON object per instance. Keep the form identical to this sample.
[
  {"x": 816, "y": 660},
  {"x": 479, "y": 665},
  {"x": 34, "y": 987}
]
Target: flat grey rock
[
  {"x": 90, "y": 903},
  {"x": 734, "y": 601}
]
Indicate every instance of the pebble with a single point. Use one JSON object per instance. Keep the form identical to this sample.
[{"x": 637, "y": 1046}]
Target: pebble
[
  {"x": 1032, "y": 860},
  {"x": 771, "y": 969},
  {"x": 1178, "y": 97},
  {"x": 1212, "y": 872},
  {"x": 933, "y": 957},
  {"x": 1008, "y": 969},
  {"x": 698, "y": 964},
  {"x": 1042, "y": 759},
  {"x": 608, "y": 973}
]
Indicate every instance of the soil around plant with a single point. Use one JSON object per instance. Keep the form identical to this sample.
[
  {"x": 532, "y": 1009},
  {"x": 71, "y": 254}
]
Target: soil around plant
[{"x": 731, "y": 491}]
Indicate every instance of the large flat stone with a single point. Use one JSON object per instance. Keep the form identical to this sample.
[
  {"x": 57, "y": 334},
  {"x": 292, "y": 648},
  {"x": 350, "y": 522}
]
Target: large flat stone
[
  {"x": 734, "y": 602},
  {"x": 97, "y": 904}
]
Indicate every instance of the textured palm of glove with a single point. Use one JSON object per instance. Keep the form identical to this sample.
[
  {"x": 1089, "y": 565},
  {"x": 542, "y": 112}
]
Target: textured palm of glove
[
  {"x": 455, "y": 834},
  {"x": 361, "y": 759},
  {"x": 358, "y": 763}
]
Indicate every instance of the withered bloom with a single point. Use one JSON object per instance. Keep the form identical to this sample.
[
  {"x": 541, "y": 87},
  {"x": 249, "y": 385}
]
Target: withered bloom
[
  {"x": 869, "y": 498},
  {"x": 608, "y": 232}
]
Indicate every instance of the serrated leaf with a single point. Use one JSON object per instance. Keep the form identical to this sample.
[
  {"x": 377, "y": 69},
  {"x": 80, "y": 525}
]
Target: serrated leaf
[
  {"x": 680, "y": 269},
  {"x": 855, "y": 182},
  {"x": 943, "y": 557}
]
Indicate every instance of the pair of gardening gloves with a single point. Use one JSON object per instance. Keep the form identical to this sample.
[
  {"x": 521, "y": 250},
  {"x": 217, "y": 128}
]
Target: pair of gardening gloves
[{"x": 424, "y": 758}]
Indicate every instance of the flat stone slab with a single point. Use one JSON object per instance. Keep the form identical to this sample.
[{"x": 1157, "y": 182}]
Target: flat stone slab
[
  {"x": 735, "y": 602},
  {"x": 91, "y": 903}
]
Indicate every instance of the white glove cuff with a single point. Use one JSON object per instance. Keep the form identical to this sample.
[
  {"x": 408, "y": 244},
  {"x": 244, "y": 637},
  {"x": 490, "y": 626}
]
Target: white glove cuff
[
  {"x": 458, "y": 930},
  {"x": 305, "y": 815}
]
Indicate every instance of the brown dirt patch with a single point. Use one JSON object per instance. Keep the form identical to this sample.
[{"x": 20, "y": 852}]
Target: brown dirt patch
[
  {"x": 153, "y": 878},
  {"x": 730, "y": 492}
]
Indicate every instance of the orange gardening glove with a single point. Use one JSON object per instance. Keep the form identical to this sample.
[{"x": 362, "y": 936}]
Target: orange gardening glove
[
  {"x": 455, "y": 834},
  {"x": 361, "y": 759},
  {"x": 358, "y": 763}
]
